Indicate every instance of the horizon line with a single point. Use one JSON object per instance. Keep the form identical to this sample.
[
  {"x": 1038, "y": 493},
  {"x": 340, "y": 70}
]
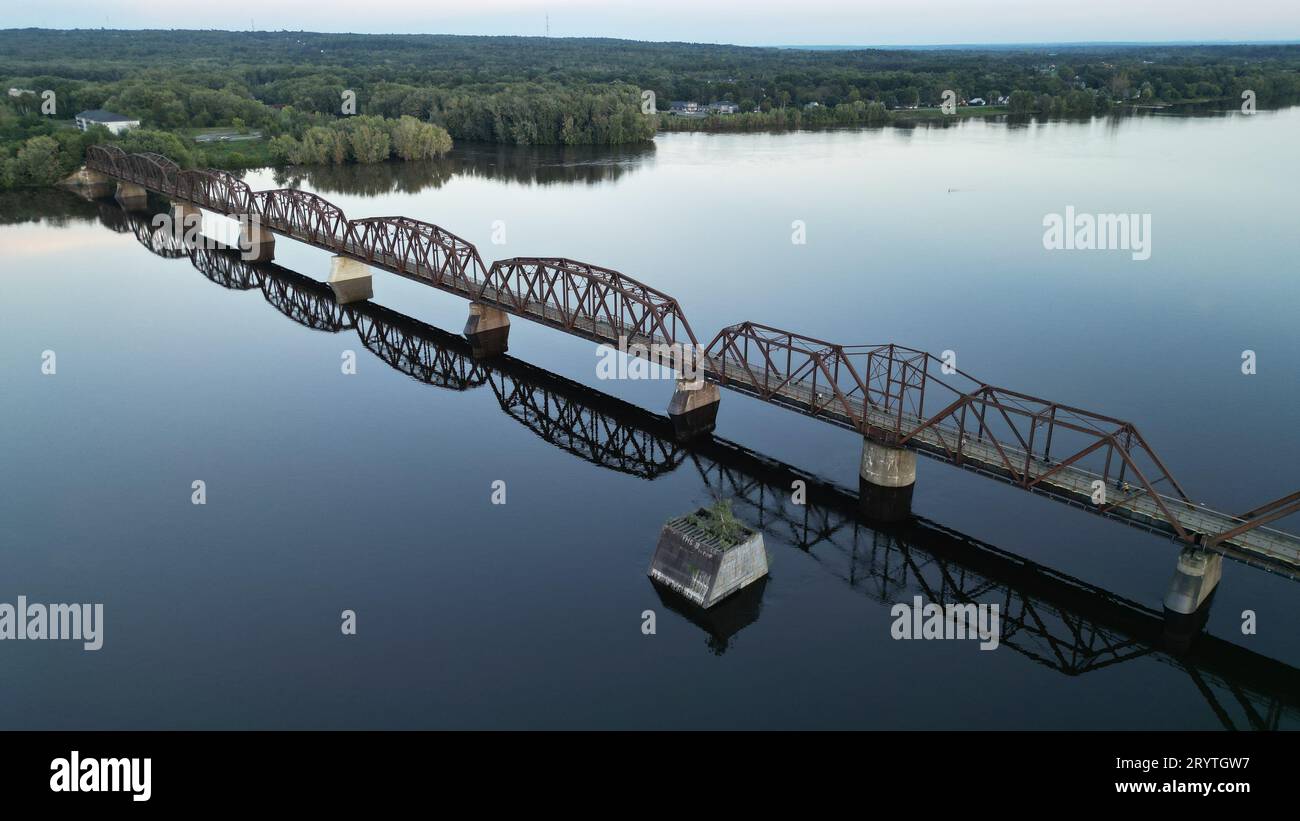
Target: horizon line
[{"x": 1036, "y": 44}]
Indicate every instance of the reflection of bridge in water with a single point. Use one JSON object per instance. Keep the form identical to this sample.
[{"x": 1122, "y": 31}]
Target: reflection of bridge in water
[
  {"x": 1053, "y": 619},
  {"x": 902, "y": 402}
]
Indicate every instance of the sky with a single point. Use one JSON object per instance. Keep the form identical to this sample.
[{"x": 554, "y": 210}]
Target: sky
[{"x": 743, "y": 22}]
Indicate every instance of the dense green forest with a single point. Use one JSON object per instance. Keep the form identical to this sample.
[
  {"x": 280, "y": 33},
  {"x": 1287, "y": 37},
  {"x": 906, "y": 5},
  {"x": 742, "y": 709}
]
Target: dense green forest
[{"x": 285, "y": 95}]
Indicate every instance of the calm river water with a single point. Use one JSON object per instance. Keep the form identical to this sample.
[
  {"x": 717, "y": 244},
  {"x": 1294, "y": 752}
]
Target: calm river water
[{"x": 372, "y": 491}]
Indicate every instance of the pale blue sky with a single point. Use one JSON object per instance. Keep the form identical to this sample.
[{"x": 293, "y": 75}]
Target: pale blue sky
[{"x": 749, "y": 22}]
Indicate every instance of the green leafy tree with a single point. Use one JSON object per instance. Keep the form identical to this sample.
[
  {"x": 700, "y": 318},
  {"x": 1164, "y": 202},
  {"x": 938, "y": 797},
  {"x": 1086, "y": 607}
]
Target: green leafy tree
[
  {"x": 143, "y": 140},
  {"x": 718, "y": 521},
  {"x": 367, "y": 139},
  {"x": 8, "y": 173},
  {"x": 38, "y": 162},
  {"x": 1021, "y": 102},
  {"x": 414, "y": 140}
]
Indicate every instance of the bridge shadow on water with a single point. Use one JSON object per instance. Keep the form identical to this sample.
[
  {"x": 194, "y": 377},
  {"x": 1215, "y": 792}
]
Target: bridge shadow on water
[{"x": 1054, "y": 620}]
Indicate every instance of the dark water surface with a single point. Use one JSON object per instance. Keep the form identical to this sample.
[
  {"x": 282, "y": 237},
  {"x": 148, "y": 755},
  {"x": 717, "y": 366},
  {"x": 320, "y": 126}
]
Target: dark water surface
[{"x": 372, "y": 492}]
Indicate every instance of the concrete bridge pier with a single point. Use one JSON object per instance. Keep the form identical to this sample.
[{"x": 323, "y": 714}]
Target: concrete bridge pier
[
  {"x": 1195, "y": 579},
  {"x": 886, "y": 479},
  {"x": 187, "y": 223},
  {"x": 350, "y": 280},
  {"x": 132, "y": 197},
  {"x": 488, "y": 330},
  {"x": 1190, "y": 594},
  {"x": 256, "y": 244},
  {"x": 694, "y": 408}
]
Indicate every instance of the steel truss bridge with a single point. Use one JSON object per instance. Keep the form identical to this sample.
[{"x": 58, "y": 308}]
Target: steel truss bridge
[
  {"x": 888, "y": 393},
  {"x": 1050, "y": 618}
]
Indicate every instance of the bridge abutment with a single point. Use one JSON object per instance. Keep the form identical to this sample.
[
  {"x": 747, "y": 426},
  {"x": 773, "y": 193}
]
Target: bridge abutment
[
  {"x": 886, "y": 478},
  {"x": 132, "y": 197},
  {"x": 488, "y": 330},
  {"x": 89, "y": 184},
  {"x": 350, "y": 280},
  {"x": 694, "y": 408},
  {"x": 256, "y": 244}
]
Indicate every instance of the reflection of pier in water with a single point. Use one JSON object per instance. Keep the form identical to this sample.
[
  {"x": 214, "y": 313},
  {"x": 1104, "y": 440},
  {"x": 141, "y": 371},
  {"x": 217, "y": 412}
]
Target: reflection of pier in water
[{"x": 1049, "y": 617}]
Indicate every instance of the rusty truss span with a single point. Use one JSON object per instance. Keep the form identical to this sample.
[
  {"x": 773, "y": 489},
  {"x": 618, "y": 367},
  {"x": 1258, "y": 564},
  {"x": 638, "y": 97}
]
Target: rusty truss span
[{"x": 903, "y": 399}]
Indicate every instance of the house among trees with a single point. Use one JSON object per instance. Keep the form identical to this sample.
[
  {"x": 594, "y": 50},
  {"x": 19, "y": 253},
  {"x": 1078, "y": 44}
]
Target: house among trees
[
  {"x": 116, "y": 123},
  {"x": 690, "y": 108}
]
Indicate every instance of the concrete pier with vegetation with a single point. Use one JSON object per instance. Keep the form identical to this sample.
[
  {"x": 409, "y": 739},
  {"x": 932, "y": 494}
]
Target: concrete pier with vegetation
[{"x": 708, "y": 555}]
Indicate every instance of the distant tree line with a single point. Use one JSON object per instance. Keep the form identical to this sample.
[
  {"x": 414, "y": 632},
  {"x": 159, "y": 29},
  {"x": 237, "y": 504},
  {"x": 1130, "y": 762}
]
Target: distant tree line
[
  {"x": 416, "y": 93},
  {"x": 307, "y": 70}
]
